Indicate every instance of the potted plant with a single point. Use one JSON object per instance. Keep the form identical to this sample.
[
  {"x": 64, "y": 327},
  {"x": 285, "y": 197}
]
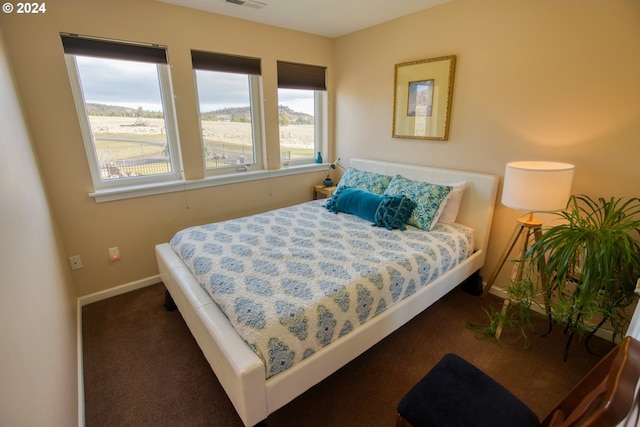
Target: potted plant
[{"x": 584, "y": 270}]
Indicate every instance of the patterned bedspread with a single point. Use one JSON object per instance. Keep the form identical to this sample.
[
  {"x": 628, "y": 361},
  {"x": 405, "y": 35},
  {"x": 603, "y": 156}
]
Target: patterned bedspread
[{"x": 293, "y": 280}]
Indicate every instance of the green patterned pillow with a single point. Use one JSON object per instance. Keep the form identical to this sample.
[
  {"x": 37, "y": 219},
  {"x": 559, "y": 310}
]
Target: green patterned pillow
[
  {"x": 363, "y": 180},
  {"x": 429, "y": 199}
]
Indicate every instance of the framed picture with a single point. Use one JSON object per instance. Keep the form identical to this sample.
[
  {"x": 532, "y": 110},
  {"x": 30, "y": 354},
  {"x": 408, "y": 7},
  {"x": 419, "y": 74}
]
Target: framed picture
[{"x": 422, "y": 98}]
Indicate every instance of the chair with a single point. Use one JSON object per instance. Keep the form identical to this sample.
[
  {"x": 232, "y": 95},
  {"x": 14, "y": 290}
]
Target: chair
[{"x": 456, "y": 393}]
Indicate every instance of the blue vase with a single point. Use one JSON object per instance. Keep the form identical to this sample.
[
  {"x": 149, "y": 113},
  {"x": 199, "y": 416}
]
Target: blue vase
[{"x": 318, "y": 158}]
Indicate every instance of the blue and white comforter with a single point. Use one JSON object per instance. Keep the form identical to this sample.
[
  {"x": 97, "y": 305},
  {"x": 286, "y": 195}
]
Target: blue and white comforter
[{"x": 294, "y": 279}]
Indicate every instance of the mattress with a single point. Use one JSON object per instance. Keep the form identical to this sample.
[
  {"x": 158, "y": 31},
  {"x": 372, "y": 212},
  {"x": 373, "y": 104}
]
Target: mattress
[{"x": 293, "y": 280}]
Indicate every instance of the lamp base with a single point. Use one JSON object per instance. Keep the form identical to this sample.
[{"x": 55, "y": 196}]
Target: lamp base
[{"x": 529, "y": 221}]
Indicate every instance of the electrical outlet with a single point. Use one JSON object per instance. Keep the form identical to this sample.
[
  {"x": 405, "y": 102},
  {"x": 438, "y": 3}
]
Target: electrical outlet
[
  {"x": 114, "y": 254},
  {"x": 76, "y": 262}
]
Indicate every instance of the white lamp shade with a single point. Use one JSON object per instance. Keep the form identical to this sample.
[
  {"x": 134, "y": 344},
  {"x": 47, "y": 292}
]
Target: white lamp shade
[{"x": 537, "y": 186}]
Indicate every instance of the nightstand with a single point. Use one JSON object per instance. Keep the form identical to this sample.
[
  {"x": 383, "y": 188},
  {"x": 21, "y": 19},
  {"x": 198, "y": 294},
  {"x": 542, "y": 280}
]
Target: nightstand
[{"x": 321, "y": 189}]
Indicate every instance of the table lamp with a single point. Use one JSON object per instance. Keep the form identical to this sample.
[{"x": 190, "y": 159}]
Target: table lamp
[{"x": 532, "y": 186}]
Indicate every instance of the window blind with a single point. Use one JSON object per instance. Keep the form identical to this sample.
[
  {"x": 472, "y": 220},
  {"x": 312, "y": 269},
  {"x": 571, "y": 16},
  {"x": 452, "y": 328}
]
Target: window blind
[
  {"x": 78, "y": 45},
  {"x": 226, "y": 63},
  {"x": 301, "y": 76}
]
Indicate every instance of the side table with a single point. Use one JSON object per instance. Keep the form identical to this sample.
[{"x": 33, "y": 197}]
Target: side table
[{"x": 325, "y": 191}]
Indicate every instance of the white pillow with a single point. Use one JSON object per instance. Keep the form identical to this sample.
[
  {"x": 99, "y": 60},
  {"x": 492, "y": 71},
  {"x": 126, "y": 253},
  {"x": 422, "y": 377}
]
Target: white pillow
[{"x": 452, "y": 203}]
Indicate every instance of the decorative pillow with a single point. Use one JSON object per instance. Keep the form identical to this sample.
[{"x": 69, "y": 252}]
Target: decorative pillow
[
  {"x": 363, "y": 180},
  {"x": 427, "y": 197},
  {"x": 394, "y": 212},
  {"x": 354, "y": 201},
  {"x": 382, "y": 210},
  {"x": 452, "y": 203}
]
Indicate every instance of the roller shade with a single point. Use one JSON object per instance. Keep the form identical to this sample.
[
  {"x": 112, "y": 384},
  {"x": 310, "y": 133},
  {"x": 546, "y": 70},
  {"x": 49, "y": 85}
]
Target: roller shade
[
  {"x": 77, "y": 45},
  {"x": 226, "y": 63},
  {"x": 301, "y": 76}
]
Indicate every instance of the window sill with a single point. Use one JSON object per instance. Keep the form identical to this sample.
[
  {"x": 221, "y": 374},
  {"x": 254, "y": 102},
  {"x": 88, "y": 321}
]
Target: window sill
[{"x": 130, "y": 192}]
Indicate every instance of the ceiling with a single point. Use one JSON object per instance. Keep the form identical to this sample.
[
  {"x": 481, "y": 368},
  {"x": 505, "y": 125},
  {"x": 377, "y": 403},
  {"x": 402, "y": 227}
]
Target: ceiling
[{"x": 330, "y": 18}]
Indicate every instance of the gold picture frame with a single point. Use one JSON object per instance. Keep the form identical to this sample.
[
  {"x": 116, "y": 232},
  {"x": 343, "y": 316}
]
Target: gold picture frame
[{"x": 422, "y": 98}]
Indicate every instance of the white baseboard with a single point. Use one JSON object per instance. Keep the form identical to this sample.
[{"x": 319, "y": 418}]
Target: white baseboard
[
  {"x": 118, "y": 290},
  {"x": 502, "y": 293},
  {"x": 88, "y": 299},
  {"x": 80, "y": 365}
]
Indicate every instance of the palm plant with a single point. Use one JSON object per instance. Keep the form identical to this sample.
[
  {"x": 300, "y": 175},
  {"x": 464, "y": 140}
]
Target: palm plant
[{"x": 590, "y": 263}]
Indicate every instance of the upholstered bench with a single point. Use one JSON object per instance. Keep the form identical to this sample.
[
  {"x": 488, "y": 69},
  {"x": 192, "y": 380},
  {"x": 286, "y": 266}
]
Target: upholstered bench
[{"x": 456, "y": 393}]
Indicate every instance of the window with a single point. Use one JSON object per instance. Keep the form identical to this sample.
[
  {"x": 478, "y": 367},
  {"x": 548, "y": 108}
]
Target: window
[
  {"x": 125, "y": 106},
  {"x": 230, "y": 111},
  {"x": 301, "y": 111}
]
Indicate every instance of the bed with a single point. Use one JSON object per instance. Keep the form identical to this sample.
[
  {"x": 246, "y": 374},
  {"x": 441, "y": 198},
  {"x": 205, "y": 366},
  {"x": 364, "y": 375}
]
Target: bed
[{"x": 247, "y": 373}]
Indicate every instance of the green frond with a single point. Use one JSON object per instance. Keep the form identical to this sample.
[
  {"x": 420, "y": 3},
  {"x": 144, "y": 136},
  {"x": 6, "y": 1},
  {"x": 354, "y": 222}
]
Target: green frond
[{"x": 591, "y": 261}]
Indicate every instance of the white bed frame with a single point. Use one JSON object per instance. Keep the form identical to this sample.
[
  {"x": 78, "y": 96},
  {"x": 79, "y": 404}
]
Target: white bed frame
[{"x": 242, "y": 373}]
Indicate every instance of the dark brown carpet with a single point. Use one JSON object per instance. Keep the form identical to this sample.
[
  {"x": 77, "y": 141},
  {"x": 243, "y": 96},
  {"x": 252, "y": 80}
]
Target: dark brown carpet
[{"x": 142, "y": 367}]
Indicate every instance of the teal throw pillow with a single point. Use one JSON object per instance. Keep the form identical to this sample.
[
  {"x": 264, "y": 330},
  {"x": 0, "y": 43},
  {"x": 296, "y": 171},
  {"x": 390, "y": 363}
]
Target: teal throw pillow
[
  {"x": 381, "y": 210},
  {"x": 394, "y": 212}
]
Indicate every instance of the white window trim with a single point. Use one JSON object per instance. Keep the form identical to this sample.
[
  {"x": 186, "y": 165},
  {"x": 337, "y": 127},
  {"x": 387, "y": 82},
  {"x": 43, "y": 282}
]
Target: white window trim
[
  {"x": 164, "y": 77},
  {"x": 113, "y": 194},
  {"x": 320, "y": 142}
]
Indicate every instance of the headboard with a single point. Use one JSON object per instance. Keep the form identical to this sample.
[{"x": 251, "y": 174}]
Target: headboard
[{"x": 478, "y": 201}]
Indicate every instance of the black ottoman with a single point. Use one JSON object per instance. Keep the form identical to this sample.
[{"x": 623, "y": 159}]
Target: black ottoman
[{"x": 456, "y": 393}]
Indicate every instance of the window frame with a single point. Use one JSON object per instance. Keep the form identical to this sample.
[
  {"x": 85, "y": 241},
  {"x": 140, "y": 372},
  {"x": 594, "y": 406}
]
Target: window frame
[
  {"x": 322, "y": 123},
  {"x": 169, "y": 113},
  {"x": 140, "y": 186},
  {"x": 244, "y": 66},
  {"x": 298, "y": 76}
]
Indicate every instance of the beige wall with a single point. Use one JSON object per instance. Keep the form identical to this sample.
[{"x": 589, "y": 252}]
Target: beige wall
[
  {"x": 535, "y": 80},
  {"x": 136, "y": 225},
  {"x": 38, "y": 354}
]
